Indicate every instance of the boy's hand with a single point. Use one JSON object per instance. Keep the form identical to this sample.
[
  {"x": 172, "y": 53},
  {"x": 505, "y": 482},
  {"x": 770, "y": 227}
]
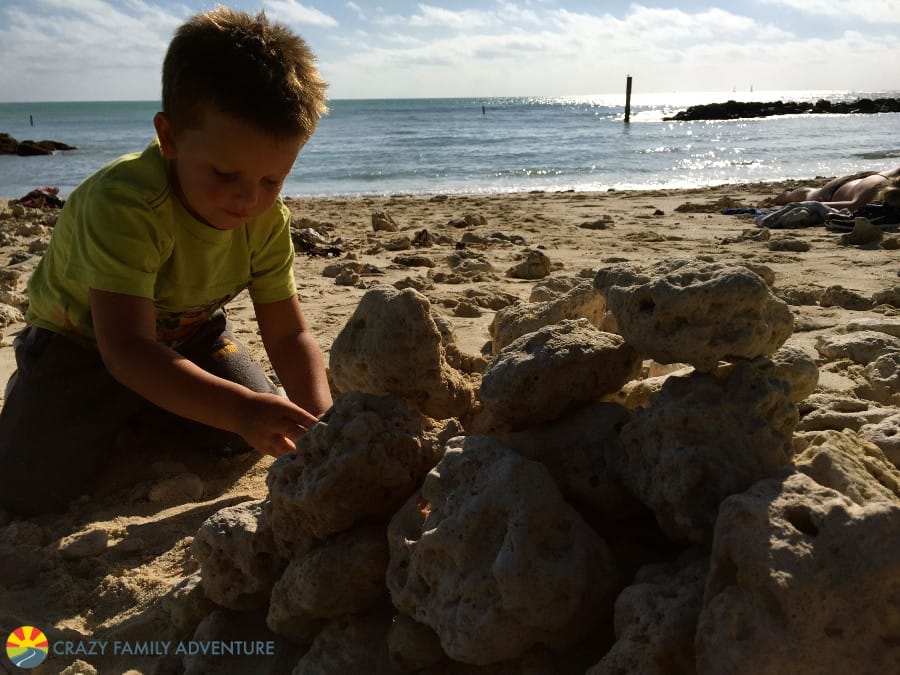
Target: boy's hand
[
  {"x": 271, "y": 423},
  {"x": 125, "y": 327}
]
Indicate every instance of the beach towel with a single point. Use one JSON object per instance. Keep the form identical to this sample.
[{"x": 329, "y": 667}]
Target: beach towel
[
  {"x": 886, "y": 217},
  {"x": 747, "y": 212},
  {"x": 800, "y": 214},
  {"x": 42, "y": 197},
  {"x": 880, "y": 214}
]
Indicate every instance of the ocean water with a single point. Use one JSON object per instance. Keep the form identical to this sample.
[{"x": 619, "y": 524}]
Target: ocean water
[{"x": 491, "y": 145}]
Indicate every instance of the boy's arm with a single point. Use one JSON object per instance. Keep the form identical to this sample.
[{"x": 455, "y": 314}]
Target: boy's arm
[
  {"x": 294, "y": 354},
  {"x": 125, "y": 327}
]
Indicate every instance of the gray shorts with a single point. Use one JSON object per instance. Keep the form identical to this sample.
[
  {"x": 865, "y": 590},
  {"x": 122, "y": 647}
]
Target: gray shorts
[{"x": 63, "y": 411}]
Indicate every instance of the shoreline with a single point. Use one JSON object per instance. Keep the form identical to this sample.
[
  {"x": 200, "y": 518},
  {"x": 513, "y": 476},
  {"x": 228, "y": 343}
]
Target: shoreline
[
  {"x": 758, "y": 185},
  {"x": 755, "y": 185}
]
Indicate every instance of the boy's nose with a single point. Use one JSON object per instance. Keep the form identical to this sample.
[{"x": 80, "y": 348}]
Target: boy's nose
[{"x": 248, "y": 192}]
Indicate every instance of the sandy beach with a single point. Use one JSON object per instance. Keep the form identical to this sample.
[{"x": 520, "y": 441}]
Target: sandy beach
[
  {"x": 117, "y": 564},
  {"x": 642, "y": 227}
]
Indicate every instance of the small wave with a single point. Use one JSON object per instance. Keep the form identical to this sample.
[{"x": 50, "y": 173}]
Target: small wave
[{"x": 879, "y": 154}]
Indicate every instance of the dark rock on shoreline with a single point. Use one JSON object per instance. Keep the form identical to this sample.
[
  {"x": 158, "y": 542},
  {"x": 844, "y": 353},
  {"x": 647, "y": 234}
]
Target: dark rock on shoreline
[
  {"x": 731, "y": 110},
  {"x": 28, "y": 148}
]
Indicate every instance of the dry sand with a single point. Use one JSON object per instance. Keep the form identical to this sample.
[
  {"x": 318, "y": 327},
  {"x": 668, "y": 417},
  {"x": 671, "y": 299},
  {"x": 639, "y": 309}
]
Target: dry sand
[{"x": 106, "y": 568}]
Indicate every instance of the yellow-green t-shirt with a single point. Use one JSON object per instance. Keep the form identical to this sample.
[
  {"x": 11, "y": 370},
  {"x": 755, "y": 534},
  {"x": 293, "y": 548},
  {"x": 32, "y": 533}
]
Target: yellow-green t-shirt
[{"x": 123, "y": 230}]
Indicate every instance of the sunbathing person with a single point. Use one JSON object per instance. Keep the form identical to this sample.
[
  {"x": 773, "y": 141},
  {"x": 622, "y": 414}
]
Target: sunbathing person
[{"x": 844, "y": 192}]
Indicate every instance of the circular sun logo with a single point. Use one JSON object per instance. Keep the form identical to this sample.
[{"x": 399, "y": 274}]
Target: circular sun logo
[{"x": 27, "y": 647}]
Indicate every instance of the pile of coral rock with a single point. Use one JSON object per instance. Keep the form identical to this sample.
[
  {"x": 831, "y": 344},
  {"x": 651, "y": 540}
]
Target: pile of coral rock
[{"x": 621, "y": 487}]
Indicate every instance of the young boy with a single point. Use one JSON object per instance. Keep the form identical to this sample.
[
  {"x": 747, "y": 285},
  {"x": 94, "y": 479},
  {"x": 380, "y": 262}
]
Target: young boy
[{"x": 126, "y": 306}]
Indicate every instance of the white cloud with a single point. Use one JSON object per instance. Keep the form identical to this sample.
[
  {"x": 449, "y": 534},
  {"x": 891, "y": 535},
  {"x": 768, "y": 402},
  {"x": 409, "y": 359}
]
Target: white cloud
[
  {"x": 429, "y": 16},
  {"x": 356, "y": 9},
  {"x": 112, "y": 49},
  {"x": 511, "y": 12},
  {"x": 871, "y": 11},
  {"x": 664, "y": 26},
  {"x": 292, "y": 12},
  {"x": 94, "y": 49},
  {"x": 467, "y": 19},
  {"x": 579, "y": 53}
]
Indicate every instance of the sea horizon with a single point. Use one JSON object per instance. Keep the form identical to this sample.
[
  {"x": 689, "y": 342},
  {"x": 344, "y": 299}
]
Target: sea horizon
[
  {"x": 480, "y": 144},
  {"x": 697, "y": 95}
]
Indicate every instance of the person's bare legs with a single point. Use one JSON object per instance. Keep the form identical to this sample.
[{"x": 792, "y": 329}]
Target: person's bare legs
[
  {"x": 844, "y": 192},
  {"x": 803, "y": 194}
]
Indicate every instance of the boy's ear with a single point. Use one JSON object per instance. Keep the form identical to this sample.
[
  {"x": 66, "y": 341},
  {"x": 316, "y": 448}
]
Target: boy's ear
[{"x": 166, "y": 134}]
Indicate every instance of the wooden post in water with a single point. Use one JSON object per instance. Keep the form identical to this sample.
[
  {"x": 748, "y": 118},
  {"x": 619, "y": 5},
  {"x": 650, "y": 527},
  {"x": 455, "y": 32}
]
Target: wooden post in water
[{"x": 628, "y": 99}]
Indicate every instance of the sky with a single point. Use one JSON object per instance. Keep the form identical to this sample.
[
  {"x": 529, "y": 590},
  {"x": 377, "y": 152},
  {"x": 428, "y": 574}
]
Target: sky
[{"x": 65, "y": 50}]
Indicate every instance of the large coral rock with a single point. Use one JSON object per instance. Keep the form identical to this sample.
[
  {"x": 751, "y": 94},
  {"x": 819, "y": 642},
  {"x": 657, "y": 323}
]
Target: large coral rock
[
  {"x": 574, "y": 448},
  {"x": 413, "y": 646},
  {"x": 517, "y": 320},
  {"x": 851, "y": 465},
  {"x": 238, "y": 558},
  {"x": 832, "y": 411},
  {"x": 207, "y": 650},
  {"x": 861, "y": 347},
  {"x": 680, "y": 311},
  {"x": 540, "y": 375},
  {"x": 492, "y": 558},
  {"x": 349, "y": 644},
  {"x": 391, "y": 345},
  {"x": 384, "y": 222},
  {"x": 536, "y": 265},
  {"x": 802, "y": 581},
  {"x": 886, "y": 435},
  {"x": 537, "y": 661},
  {"x": 883, "y": 379},
  {"x": 889, "y": 325},
  {"x": 703, "y": 439},
  {"x": 656, "y": 619},
  {"x": 638, "y": 393},
  {"x": 798, "y": 369},
  {"x": 550, "y": 288},
  {"x": 345, "y": 575},
  {"x": 362, "y": 460}
]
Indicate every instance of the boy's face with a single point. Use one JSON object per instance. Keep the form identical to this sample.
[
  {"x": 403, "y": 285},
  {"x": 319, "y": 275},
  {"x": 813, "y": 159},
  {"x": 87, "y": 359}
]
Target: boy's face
[{"x": 226, "y": 171}]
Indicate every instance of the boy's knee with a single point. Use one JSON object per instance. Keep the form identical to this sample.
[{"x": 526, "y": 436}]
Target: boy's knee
[
  {"x": 225, "y": 349},
  {"x": 232, "y": 361},
  {"x": 10, "y": 383}
]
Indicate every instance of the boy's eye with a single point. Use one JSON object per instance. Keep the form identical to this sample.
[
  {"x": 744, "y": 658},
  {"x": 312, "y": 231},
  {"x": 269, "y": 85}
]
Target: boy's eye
[{"x": 225, "y": 175}]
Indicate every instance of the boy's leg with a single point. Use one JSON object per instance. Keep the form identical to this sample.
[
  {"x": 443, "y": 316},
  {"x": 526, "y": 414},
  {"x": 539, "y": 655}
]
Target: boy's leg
[
  {"x": 215, "y": 349},
  {"x": 58, "y": 422}
]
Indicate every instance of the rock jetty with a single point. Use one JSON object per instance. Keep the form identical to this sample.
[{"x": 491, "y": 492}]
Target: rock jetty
[
  {"x": 29, "y": 148},
  {"x": 732, "y": 110}
]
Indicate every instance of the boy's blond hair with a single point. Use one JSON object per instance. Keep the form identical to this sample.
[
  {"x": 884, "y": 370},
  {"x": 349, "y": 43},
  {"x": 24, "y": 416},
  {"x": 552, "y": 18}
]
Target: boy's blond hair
[{"x": 260, "y": 72}]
